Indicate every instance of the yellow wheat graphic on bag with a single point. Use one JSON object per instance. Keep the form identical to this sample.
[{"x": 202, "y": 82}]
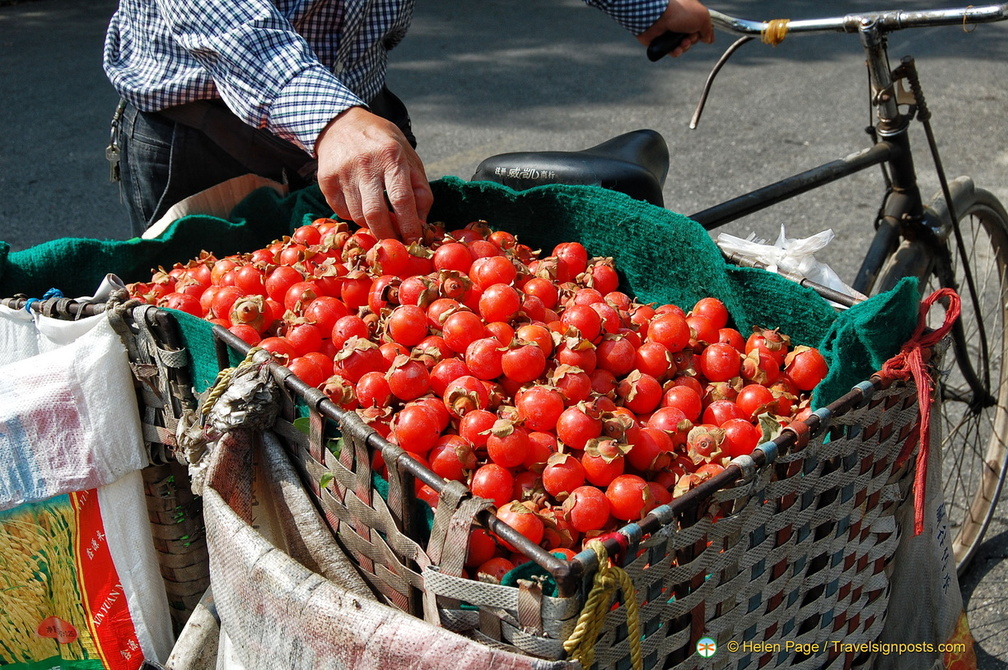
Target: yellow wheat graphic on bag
[{"x": 41, "y": 610}]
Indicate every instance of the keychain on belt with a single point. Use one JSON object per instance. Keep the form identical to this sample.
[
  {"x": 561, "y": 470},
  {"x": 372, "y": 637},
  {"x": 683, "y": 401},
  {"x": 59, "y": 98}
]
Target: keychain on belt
[{"x": 112, "y": 150}]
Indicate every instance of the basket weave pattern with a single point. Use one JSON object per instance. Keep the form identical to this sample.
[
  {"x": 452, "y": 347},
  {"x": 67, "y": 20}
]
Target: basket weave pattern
[{"x": 798, "y": 554}]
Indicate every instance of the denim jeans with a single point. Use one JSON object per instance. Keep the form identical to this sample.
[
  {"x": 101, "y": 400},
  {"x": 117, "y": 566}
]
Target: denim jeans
[{"x": 163, "y": 161}]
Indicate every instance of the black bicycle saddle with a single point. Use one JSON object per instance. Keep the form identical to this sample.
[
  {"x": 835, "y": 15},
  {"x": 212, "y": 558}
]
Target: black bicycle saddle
[{"x": 635, "y": 163}]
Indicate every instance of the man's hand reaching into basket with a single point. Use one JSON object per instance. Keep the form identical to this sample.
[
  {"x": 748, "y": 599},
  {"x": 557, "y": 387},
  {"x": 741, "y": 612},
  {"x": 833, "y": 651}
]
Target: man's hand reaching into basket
[{"x": 369, "y": 173}]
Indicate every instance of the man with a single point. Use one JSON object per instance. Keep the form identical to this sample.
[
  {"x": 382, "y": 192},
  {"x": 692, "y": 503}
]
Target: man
[{"x": 292, "y": 90}]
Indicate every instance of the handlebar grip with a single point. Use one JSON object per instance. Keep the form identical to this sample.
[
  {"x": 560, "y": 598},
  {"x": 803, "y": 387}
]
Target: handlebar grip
[{"x": 665, "y": 43}]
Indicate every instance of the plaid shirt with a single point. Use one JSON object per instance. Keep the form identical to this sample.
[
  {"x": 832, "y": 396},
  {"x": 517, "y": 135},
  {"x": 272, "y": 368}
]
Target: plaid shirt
[{"x": 288, "y": 66}]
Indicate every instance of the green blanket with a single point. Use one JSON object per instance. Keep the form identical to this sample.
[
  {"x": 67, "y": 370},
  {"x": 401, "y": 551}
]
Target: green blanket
[{"x": 663, "y": 257}]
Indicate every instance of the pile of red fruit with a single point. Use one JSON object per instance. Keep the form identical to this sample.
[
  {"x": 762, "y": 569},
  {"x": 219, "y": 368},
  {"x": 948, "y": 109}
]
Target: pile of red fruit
[{"x": 530, "y": 378}]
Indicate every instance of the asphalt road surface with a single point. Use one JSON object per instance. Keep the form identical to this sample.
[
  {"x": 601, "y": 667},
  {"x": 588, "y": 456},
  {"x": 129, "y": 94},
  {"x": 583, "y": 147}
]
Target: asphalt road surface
[{"x": 497, "y": 76}]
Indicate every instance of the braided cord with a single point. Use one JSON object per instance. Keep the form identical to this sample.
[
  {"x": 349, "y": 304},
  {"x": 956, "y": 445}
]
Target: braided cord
[{"x": 581, "y": 644}]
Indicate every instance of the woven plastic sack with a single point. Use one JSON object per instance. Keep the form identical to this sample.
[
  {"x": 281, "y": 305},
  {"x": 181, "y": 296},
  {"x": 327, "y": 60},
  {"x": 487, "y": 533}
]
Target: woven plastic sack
[
  {"x": 924, "y": 571},
  {"x": 288, "y": 597},
  {"x": 80, "y": 585}
]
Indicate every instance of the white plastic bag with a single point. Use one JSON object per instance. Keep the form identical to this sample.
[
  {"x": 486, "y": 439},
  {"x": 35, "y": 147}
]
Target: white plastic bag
[{"x": 789, "y": 255}]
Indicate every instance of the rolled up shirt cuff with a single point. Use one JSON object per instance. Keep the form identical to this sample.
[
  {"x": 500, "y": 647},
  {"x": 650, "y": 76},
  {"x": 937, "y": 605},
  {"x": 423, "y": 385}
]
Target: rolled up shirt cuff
[{"x": 307, "y": 104}]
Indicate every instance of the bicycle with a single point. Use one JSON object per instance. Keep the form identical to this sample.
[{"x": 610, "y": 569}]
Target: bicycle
[{"x": 958, "y": 239}]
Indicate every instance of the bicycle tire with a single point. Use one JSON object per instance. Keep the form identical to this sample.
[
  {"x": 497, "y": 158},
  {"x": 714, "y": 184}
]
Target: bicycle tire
[{"x": 974, "y": 445}]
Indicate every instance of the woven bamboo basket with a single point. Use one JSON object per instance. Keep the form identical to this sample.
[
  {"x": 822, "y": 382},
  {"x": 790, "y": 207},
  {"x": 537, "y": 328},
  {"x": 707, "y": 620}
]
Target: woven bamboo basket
[{"x": 791, "y": 546}]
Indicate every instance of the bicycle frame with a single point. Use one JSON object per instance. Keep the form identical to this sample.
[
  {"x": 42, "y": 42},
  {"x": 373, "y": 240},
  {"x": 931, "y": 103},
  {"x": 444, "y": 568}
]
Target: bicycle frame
[{"x": 904, "y": 212}]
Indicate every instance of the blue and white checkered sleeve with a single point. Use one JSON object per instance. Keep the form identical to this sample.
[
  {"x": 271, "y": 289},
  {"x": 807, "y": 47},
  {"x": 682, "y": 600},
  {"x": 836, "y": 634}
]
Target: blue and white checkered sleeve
[
  {"x": 262, "y": 68},
  {"x": 306, "y": 105},
  {"x": 634, "y": 15}
]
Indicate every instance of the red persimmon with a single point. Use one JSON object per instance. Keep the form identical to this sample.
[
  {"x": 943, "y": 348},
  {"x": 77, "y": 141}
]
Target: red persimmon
[
  {"x": 373, "y": 390},
  {"x": 806, "y": 367},
  {"x": 507, "y": 445},
  {"x": 408, "y": 378},
  {"x": 407, "y": 325},
  {"x": 451, "y": 457},
  {"x": 493, "y": 482},
  {"x": 499, "y": 302},
  {"x": 670, "y": 329},
  {"x": 740, "y": 437},
  {"x": 575, "y": 427},
  {"x": 755, "y": 399},
  {"x": 484, "y": 357},
  {"x": 563, "y": 473},
  {"x": 713, "y": 309},
  {"x": 720, "y": 362},
  {"x": 415, "y": 428},
  {"x": 524, "y": 362},
  {"x": 461, "y": 328},
  {"x": 630, "y": 497},
  {"x": 587, "y": 509}
]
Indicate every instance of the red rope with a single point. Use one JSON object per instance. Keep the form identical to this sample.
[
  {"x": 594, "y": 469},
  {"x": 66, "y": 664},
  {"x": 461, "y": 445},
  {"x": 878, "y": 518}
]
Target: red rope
[{"x": 910, "y": 362}]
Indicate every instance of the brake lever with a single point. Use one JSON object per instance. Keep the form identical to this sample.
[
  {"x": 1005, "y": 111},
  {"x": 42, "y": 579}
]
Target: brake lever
[
  {"x": 664, "y": 44},
  {"x": 710, "y": 78}
]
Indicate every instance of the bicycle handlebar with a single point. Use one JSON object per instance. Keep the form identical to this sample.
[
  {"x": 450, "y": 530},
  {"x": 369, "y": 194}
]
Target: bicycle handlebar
[{"x": 884, "y": 21}]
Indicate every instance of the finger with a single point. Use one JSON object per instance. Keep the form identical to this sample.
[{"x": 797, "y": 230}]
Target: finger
[
  {"x": 375, "y": 212},
  {"x": 422, "y": 194},
  {"x": 424, "y": 198},
  {"x": 413, "y": 203},
  {"x": 336, "y": 200},
  {"x": 685, "y": 45},
  {"x": 403, "y": 201}
]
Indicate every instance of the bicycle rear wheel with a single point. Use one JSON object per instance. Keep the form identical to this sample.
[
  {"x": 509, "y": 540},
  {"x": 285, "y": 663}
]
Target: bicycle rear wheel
[{"x": 974, "y": 418}]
